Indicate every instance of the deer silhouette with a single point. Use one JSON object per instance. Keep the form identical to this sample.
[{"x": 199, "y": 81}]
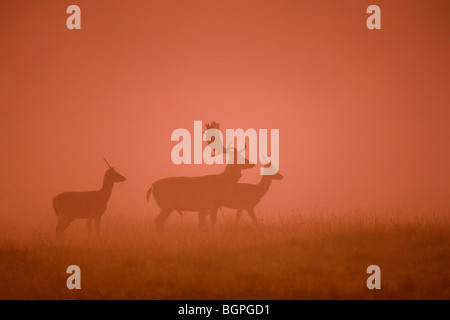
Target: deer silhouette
[
  {"x": 200, "y": 194},
  {"x": 88, "y": 205},
  {"x": 244, "y": 196}
]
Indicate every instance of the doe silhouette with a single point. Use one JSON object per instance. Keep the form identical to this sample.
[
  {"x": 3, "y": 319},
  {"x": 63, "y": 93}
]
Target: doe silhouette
[
  {"x": 244, "y": 196},
  {"x": 88, "y": 205}
]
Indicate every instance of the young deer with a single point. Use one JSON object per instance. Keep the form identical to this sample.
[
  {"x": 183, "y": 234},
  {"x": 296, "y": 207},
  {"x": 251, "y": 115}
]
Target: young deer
[
  {"x": 244, "y": 196},
  {"x": 88, "y": 205}
]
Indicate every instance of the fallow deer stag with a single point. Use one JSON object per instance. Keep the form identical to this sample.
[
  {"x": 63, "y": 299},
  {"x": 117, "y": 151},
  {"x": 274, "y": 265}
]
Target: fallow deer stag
[
  {"x": 88, "y": 205},
  {"x": 200, "y": 194},
  {"x": 244, "y": 196}
]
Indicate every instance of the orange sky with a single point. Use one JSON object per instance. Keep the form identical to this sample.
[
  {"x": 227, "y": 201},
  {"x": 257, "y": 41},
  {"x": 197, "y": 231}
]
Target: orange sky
[{"x": 363, "y": 115}]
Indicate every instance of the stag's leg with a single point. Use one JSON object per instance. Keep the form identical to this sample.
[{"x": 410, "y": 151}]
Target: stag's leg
[
  {"x": 89, "y": 226},
  {"x": 61, "y": 226},
  {"x": 251, "y": 213},
  {"x": 97, "y": 225},
  {"x": 202, "y": 218},
  {"x": 238, "y": 216},
  {"x": 213, "y": 216},
  {"x": 161, "y": 218}
]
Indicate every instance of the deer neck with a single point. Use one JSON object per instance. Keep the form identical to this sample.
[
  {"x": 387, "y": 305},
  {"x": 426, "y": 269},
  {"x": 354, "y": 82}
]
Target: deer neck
[
  {"x": 106, "y": 189},
  {"x": 264, "y": 185}
]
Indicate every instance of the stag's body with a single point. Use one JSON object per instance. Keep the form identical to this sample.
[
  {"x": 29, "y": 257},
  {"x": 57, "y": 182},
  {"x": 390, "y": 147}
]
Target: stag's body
[
  {"x": 190, "y": 193},
  {"x": 244, "y": 196},
  {"x": 200, "y": 194},
  {"x": 88, "y": 205}
]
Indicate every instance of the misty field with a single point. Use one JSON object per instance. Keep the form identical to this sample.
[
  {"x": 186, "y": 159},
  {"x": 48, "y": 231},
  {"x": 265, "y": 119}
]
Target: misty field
[{"x": 295, "y": 255}]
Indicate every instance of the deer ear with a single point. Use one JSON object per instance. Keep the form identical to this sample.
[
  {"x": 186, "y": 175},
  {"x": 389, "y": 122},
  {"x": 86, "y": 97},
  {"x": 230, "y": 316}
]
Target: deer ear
[{"x": 107, "y": 163}]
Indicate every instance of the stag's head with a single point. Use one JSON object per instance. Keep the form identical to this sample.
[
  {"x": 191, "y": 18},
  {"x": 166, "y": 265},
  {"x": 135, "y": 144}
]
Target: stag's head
[
  {"x": 112, "y": 175},
  {"x": 240, "y": 162}
]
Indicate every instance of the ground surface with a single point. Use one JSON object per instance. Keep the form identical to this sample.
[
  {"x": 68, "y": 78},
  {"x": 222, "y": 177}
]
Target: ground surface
[{"x": 292, "y": 256}]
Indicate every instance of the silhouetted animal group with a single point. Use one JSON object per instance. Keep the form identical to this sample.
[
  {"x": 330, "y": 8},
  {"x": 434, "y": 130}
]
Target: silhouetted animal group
[{"x": 203, "y": 194}]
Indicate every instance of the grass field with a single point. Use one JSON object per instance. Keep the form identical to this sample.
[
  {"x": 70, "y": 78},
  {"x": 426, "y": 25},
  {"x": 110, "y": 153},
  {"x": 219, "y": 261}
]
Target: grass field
[{"x": 297, "y": 255}]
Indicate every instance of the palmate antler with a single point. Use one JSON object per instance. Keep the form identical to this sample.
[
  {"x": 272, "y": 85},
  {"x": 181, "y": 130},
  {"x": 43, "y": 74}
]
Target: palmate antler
[
  {"x": 237, "y": 151},
  {"x": 216, "y": 125},
  {"x": 212, "y": 125}
]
